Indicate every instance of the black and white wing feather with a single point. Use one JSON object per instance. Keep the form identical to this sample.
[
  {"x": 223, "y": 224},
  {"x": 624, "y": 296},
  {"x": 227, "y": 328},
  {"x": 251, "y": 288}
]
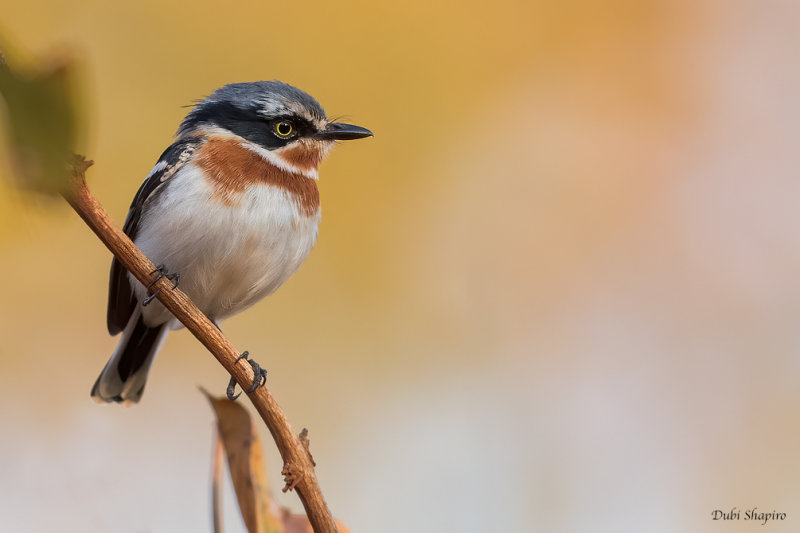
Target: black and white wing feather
[{"x": 121, "y": 301}]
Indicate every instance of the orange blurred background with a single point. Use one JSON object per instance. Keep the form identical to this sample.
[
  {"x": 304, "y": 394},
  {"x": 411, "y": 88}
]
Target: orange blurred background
[{"x": 558, "y": 291}]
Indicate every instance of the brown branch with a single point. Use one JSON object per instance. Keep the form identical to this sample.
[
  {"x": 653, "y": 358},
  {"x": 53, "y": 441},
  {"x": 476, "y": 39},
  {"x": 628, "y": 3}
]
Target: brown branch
[{"x": 297, "y": 461}]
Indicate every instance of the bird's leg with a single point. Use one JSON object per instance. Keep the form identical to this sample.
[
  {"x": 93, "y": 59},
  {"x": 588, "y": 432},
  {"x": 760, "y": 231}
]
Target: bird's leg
[
  {"x": 259, "y": 377},
  {"x": 162, "y": 273}
]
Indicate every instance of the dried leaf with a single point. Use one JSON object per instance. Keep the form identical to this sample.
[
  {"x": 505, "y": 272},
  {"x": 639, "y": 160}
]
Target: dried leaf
[
  {"x": 242, "y": 446},
  {"x": 41, "y": 116},
  {"x": 246, "y": 463},
  {"x": 216, "y": 483}
]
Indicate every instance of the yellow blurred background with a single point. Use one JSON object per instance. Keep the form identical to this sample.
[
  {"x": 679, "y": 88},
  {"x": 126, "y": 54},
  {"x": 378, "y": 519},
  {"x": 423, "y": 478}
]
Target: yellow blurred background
[{"x": 558, "y": 291}]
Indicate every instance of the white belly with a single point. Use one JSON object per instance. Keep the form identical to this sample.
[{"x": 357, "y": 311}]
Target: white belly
[{"x": 228, "y": 257}]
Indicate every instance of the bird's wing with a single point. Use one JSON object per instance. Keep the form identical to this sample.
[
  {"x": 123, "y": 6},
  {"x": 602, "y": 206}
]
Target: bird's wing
[{"x": 121, "y": 301}]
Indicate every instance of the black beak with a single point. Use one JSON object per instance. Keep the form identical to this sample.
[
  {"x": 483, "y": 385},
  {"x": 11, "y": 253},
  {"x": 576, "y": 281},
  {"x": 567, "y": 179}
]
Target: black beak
[{"x": 336, "y": 131}]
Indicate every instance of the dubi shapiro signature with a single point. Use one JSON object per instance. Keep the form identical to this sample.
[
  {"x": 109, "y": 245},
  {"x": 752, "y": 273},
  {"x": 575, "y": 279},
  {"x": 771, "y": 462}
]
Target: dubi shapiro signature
[{"x": 749, "y": 514}]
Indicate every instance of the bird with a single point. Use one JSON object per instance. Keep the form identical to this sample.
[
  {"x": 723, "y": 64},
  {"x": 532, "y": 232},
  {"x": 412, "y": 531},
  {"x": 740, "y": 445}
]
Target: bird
[{"x": 230, "y": 211}]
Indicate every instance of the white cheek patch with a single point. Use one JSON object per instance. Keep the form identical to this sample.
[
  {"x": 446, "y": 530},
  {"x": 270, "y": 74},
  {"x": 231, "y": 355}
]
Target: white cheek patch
[{"x": 273, "y": 157}]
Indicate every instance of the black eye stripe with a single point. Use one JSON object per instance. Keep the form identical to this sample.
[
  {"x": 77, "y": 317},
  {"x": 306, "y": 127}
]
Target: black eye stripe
[{"x": 248, "y": 124}]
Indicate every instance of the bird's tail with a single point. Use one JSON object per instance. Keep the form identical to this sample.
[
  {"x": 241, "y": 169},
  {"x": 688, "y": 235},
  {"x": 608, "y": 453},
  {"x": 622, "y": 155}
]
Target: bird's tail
[{"x": 124, "y": 376}]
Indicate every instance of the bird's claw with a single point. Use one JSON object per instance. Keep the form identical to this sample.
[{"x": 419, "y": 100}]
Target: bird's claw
[
  {"x": 162, "y": 273},
  {"x": 149, "y": 298},
  {"x": 259, "y": 377}
]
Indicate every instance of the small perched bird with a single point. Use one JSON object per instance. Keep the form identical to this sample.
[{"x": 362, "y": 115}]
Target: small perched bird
[{"x": 230, "y": 210}]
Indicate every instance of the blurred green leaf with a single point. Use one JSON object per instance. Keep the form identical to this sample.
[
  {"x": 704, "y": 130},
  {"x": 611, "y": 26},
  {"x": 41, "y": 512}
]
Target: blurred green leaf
[{"x": 41, "y": 118}]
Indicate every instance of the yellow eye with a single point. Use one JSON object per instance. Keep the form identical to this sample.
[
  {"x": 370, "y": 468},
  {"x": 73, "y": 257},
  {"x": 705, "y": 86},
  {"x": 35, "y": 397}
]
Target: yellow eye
[{"x": 284, "y": 129}]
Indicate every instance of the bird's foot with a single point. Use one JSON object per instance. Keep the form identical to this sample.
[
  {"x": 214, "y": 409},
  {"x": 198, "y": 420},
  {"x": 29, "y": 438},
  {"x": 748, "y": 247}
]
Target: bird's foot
[
  {"x": 259, "y": 377},
  {"x": 162, "y": 273}
]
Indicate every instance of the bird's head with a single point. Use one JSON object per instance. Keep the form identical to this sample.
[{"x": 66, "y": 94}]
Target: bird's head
[{"x": 282, "y": 122}]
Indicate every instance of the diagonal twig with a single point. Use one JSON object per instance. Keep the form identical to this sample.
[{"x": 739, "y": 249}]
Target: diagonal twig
[{"x": 297, "y": 461}]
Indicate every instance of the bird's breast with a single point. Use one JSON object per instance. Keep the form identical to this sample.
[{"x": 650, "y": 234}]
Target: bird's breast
[
  {"x": 232, "y": 168},
  {"x": 235, "y": 232}
]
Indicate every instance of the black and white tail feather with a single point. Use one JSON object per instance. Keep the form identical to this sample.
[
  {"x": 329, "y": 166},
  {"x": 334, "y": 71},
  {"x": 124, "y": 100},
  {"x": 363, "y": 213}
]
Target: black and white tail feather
[{"x": 125, "y": 374}]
